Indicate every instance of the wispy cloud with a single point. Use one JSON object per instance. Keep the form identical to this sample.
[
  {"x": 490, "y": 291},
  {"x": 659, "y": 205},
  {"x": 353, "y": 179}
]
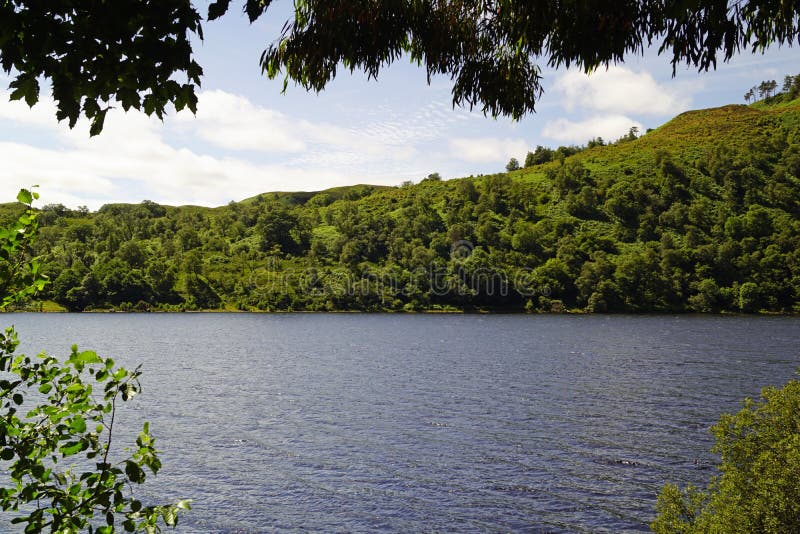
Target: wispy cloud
[
  {"x": 620, "y": 90},
  {"x": 609, "y": 127},
  {"x": 488, "y": 149},
  {"x": 256, "y": 149}
]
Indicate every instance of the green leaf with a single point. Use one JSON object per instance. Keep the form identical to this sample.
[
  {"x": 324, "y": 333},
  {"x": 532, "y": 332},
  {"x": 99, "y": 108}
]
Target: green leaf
[
  {"x": 217, "y": 9},
  {"x": 25, "y": 197},
  {"x": 97, "y": 123},
  {"x": 120, "y": 373},
  {"x": 78, "y": 424},
  {"x": 74, "y": 388},
  {"x": 45, "y": 388},
  {"x": 129, "y": 392},
  {"x": 134, "y": 472},
  {"x": 170, "y": 516},
  {"x": 71, "y": 448},
  {"x": 25, "y": 87},
  {"x": 7, "y": 453},
  {"x": 37, "y": 470},
  {"x": 86, "y": 357}
]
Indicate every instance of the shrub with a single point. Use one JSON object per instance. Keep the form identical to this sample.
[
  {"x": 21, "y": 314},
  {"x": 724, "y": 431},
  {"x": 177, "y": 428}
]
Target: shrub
[
  {"x": 53, "y": 412},
  {"x": 758, "y": 488}
]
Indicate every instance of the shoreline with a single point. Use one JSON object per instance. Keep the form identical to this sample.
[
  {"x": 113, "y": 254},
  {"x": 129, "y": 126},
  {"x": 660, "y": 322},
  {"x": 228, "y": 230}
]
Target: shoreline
[{"x": 414, "y": 312}]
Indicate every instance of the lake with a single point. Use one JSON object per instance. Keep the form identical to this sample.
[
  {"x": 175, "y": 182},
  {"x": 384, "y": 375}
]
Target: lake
[{"x": 420, "y": 423}]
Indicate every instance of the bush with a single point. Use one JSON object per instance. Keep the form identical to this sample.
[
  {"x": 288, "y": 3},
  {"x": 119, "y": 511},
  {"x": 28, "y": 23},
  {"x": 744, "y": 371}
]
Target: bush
[
  {"x": 68, "y": 421},
  {"x": 53, "y": 412},
  {"x": 749, "y": 298},
  {"x": 758, "y": 488}
]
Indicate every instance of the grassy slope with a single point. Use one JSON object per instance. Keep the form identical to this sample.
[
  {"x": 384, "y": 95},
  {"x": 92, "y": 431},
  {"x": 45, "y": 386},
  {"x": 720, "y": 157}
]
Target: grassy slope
[{"x": 689, "y": 138}]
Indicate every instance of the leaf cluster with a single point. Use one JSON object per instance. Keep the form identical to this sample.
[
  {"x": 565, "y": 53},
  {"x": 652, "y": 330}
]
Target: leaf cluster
[
  {"x": 57, "y": 421},
  {"x": 97, "y": 53},
  {"x": 56, "y": 413},
  {"x": 758, "y": 488},
  {"x": 493, "y": 50}
]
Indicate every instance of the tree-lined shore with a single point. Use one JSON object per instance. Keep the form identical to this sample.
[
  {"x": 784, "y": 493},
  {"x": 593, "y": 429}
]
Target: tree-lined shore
[{"x": 699, "y": 215}]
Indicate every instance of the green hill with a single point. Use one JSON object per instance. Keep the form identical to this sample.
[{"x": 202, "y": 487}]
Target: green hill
[{"x": 699, "y": 215}]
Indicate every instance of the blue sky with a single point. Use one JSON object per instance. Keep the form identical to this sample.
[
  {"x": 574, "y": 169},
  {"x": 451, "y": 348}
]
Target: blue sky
[{"x": 248, "y": 138}]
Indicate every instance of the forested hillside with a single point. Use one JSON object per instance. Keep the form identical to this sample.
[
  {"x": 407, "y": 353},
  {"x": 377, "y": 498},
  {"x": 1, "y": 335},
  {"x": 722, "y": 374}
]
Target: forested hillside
[{"x": 699, "y": 215}]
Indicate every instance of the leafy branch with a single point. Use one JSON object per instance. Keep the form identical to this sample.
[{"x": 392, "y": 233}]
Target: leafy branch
[{"x": 56, "y": 431}]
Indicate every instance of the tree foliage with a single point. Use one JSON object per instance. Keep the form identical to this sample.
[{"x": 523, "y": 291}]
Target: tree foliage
[
  {"x": 97, "y": 54},
  {"x": 39, "y": 443},
  {"x": 758, "y": 488},
  {"x": 57, "y": 421},
  {"x": 701, "y": 215},
  {"x": 493, "y": 49},
  {"x": 134, "y": 51},
  {"x": 766, "y": 90},
  {"x": 19, "y": 276}
]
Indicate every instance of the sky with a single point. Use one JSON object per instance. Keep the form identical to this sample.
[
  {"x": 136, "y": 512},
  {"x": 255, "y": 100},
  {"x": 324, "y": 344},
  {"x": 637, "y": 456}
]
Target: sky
[{"x": 248, "y": 138}]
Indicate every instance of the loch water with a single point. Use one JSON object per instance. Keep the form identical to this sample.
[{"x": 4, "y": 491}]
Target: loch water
[{"x": 423, "y": 423}]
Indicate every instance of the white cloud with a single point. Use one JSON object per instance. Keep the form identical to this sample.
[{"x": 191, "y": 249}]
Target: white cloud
[
  {"x": 41, "y": 114},
  {"x": 235, "y": 148},
  {"x": 140, "y": 157},
  {"x": 176, "y": 176},
  {"x": 130, "y": 161},
  {"x": 233, "y": 122},
  {"x": 620, "y": 90},
  {"x": 487, "y": 149},
  {"x": 610, "y": 128}
]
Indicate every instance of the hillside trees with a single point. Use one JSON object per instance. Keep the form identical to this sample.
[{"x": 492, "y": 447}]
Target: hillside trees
[
  {"x": 679, "y": 228},
  {"x": 790, "y": 89},
  {"x": 766, "y": 88},
  {"x": 677, "y": 237}
]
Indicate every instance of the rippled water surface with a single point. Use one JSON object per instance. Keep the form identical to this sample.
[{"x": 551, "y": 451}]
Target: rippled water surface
[{"x": 420, "y": 423}]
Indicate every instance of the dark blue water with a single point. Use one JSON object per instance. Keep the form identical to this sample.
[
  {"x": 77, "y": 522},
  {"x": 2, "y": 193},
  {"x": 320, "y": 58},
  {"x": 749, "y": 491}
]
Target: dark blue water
[{"x": 420, "y": 423}]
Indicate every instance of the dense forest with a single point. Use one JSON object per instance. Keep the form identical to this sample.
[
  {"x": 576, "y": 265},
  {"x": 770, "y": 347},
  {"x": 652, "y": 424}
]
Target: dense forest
[{"x": 699, "y": 215}]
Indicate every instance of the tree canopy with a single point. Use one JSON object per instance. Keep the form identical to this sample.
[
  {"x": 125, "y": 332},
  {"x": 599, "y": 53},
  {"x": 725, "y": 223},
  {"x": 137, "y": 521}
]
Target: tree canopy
[
  {"x": 757, "y": 487},
  {"x": 132, "y": 52},
  {"x": 700, "y": 215}
]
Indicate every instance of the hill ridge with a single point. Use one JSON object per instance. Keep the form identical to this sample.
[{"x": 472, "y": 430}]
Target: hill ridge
[{"x": 699, "y": 215}]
